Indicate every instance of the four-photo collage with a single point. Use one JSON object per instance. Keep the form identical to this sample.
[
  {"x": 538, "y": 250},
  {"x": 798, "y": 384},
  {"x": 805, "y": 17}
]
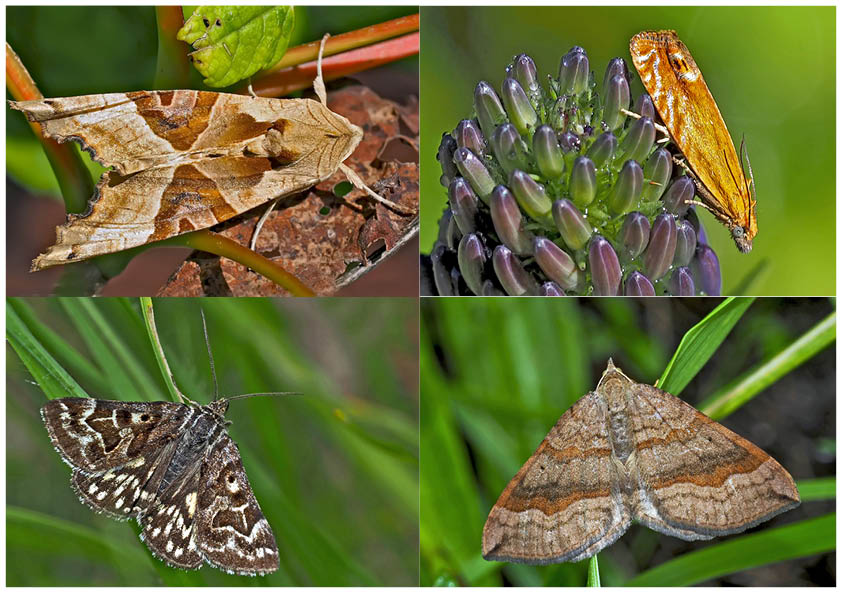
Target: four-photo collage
[{"x": 420, "y": 296}]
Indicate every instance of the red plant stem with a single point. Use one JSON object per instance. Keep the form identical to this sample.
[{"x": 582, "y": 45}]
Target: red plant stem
[
  {"x": 215, "y": 243},
  {"x": 347, "y": 41},
  {"x": 284, "y": 82},
  {"x": 73, "y": 177}
]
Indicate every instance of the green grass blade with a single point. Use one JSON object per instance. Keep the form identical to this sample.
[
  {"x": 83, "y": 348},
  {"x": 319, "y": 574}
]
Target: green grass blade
[
  {"x": 735, "y": 394},
  {"x": 593, "y": 572},
  {"x": 47, "y": 372},
  {"x": 805, "y": 538},
  {"x": 148, "y": 312},
  {"x": 822, "y": 488},
  {"x": 700, "y": 343}
]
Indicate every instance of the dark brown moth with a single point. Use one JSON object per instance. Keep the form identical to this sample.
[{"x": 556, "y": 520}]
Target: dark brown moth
[{"x": 632, "y": 452}]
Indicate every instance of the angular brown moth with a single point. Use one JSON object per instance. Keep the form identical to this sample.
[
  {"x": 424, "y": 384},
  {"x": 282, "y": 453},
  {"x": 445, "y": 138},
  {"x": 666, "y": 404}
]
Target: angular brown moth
[
  {"x": 186, "y": 160},
  {"x": 629, "y": 451}
]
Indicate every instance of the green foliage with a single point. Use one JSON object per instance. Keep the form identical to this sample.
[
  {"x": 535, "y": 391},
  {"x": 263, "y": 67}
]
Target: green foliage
[
  {"x": 335, "y": 469},
  {"x": 231, "y": 43},
  {"x": 752, "y": 78},
  {"x": 498, "y": 373}
]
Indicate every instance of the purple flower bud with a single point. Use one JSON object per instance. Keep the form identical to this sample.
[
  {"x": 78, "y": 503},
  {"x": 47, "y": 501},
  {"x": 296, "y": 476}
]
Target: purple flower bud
[
  {"x": 603, "y": 149},
  {"x": 490, "y": 290},
  {"x": 644, "y": 106},
  {"x": 550, "y": 289},
  {"x": 635, "y": 235},
  {"x": 705, "y": 266},
  {"x": 569, "y": 142},
  {"x": 573, "y": 71},
  {"x": 547, "y": 152},
  {"x": 583, "y": 182},
  {"x": 657, "y": 172},
  {"x": 526, "y": 74},
  {"x": 616, "y": 67},
  {"x": 469, "y": 136},
  {"x": 508, "y": 148},
  {"x": 661, "y": 249},
  {"x": 639, "y": 140},
  {"x": 508, "y": 222},
  {"x": 556, "y": 263},
  {"x": 574, "y": 228},
  {"x": 472, "y": 169},
  {"x": 445, "y": 157},
  {"x": 638, "y": 285},
  {"x": 471, "y": 256},
  {"x": 520, "y": 110},
  {"x": 679, "y": 192},
  {"x": 617, "y": 97},
  {"x": 531, "y": 196},
  {"x": 490, "y": 112},
  {"x": 693, "y": 218},
  {"x": 685, "y": 245},
  {"x": 627, "y": 188},
  {"x": 511, "y": 274},
  {"x": 448, "y": 232},
  {"x": 681, "y": 282},
  {"x": 605, "y": 268},
  {"x": 441, "y": 273},
  {"x": 463, "y": 203}
]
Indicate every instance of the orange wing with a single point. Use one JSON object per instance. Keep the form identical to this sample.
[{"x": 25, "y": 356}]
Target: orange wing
[{"x": 692, "y": 117}]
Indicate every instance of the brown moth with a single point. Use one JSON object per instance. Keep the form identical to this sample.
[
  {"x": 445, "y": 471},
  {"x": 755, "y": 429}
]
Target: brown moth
[
  {"x": 630, "y": 451},
  {"x": 186, "y": 160}
]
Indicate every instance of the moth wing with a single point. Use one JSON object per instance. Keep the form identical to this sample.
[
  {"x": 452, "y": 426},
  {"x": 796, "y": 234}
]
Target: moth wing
[
  {"x": 97, "y": 436},
  {"x": 162, "y": 202},
  {"x": 566, "y": 502},
  {"x": 231, "y": 531},
  {"x": 691, "y": 115},
  {"x": 169, "y": 525},
  {"x": 697, "y": 479}
]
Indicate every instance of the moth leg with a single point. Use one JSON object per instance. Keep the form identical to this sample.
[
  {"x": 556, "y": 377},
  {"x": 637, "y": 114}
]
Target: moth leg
[
  {"x": 357, "y": 181},
  {"x": 260, "y": 223},
  {"x": 659, "y": 127}
]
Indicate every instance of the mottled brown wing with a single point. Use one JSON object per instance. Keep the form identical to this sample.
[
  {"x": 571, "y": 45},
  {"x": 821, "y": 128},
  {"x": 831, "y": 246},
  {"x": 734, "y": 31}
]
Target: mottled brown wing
[
  {"x": 169, "y": 525},
  {"x": 231, "y": 531},
  {"x": 98, "y": 436},
  {"x": 690, "y": 113},
  {"x": 566, "y": 502},
  {"x": 185, "y": 160},
  {"x": 136, "y": 131},
  {"x": 697, "y": 478}
]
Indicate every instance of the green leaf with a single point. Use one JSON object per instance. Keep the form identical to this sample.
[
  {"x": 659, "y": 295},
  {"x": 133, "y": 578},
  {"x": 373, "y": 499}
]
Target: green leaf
[
  {"x": 231, "y": 43},
  {"x": 47, "y": 372},
  {"x": 822, "y": 488},
  {"x": 806, "y": 538},
  {"x": 732, "y": 396},
  {"x": 700, "y": 343}
]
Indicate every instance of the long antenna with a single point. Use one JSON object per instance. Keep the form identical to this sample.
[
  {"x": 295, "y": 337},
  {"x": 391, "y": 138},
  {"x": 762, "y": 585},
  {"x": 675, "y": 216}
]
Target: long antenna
[
  {"x": 247, "y": 395},
  {"x": 210, "y": 356}
]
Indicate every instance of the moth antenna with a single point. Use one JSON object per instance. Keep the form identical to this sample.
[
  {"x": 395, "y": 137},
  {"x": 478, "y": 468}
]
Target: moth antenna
[
  {"x": 210, "y": 355},
  {"x": 744, "y": 151},
  {"x": 273, "y": 394},
  {"x": 319, "y": 82}
]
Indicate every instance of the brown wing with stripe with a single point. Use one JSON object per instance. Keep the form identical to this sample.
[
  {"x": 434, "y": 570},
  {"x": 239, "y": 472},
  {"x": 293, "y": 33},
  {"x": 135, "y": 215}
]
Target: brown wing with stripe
[
  {"x": 567, "y": 500},
  {"x": 697, "y": 478},
  {"x": 689, "y": 111}
]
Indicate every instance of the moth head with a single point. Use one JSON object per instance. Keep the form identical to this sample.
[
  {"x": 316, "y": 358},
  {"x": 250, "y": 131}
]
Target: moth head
[
  {"x": 741, "y": 239},
  {"x": 613, "y": 384}
]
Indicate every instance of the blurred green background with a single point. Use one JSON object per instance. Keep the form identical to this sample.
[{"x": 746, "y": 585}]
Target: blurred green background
[
  {"x": 497, "y": 373},
  {"x": 335, "y": 470},
  {"x": 772, "y": 72}
]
